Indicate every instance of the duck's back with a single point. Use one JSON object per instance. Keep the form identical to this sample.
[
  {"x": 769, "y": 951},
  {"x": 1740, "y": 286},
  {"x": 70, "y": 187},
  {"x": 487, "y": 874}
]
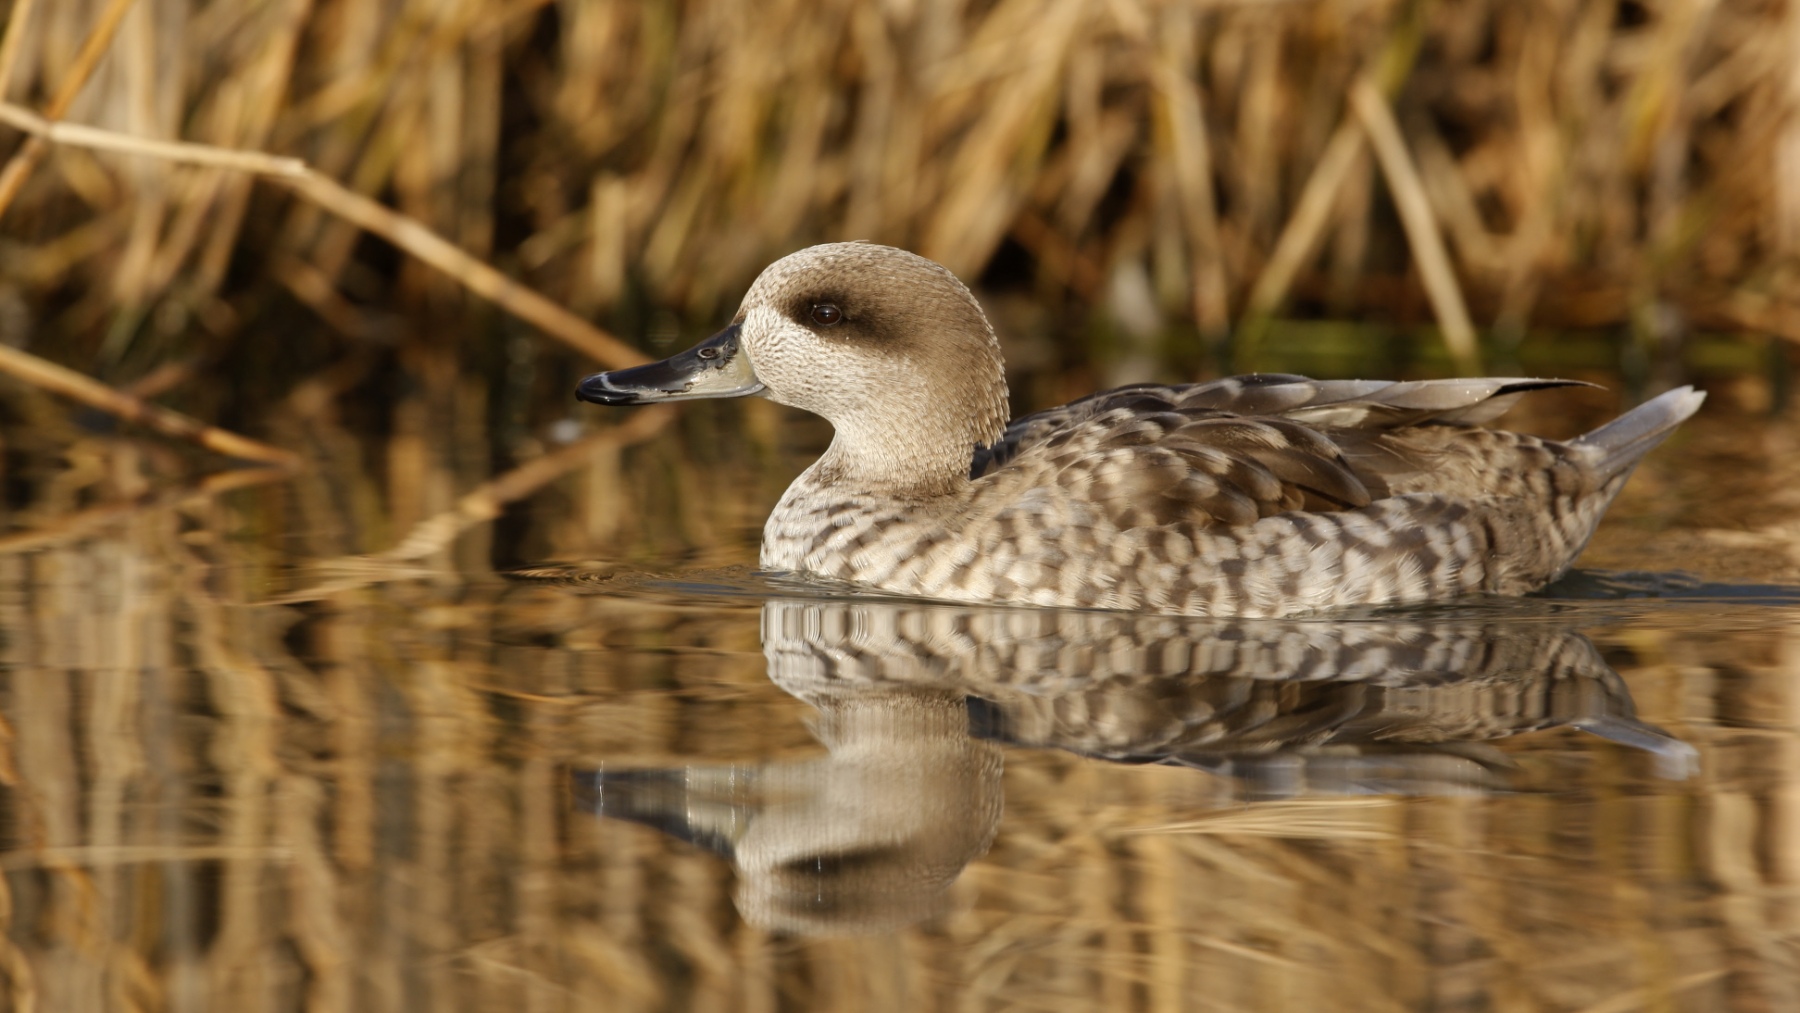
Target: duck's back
[{"x": 1259, "y": 495}]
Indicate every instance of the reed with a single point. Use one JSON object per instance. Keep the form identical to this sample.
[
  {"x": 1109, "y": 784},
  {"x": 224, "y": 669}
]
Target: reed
[{"x": 1502, "y": 166}]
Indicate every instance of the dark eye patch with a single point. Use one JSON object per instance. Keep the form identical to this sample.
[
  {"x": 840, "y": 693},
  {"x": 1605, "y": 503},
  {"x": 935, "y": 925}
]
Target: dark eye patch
[
  {"x": 820, "y": 310},
  {"x": 861, "y": 321}
]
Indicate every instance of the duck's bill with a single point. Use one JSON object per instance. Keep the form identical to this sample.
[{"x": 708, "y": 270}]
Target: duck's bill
[{"x": 717, "y": 367}]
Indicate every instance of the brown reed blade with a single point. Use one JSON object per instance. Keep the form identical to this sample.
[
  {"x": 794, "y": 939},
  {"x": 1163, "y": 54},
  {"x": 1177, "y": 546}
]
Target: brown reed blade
[
  {"x": 485, "y": 502},
  {"x": 1299, "y": 238},
  {"x": 81, "y": 135},
  {"x": 1184, "y": 111},
  {"x": 479, "y": 505},
  {"x": 403, "y": 231},
  {"x": 16, "y": 23},
  {"x": 41, "y": 372},
  {"x": 1377, "y": 119},
  {"x": 413, "y": 237},
  {"x": 12, "y": 178},
  {"x": 165, "y": 377},
  {"x": 93, "y": 520}
]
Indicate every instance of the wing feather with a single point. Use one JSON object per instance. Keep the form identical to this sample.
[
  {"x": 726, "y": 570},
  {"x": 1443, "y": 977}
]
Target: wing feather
[{"x": 1231, "y": 451}]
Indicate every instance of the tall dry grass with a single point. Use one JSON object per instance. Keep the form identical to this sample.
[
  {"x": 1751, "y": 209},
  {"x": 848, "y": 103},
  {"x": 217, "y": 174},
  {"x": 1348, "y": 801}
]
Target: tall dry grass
[{"x": 1578, "y": 163}]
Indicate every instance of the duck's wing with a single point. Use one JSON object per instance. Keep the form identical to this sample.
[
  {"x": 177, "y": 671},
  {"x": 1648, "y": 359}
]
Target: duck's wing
[{"x": 1237, "y": 449}]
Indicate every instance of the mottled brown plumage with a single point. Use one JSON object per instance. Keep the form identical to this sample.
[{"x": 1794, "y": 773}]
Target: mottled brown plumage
[{"x": 1251, "y": 496}]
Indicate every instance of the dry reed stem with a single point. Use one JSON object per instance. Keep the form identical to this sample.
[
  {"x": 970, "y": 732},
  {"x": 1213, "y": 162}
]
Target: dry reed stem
[
  {"x": 413, "y": 237},
  {"x": 1184, "y": 111},
  {"x": 1321, "y": 195},
  {"x": 84, "y": 136},
  {"x": 74, "y": 527},
  {"x": 1329, "y": 818},
  {"x": 485, "y": 502},
  {"x": 85, "y": 523},
  {"x": 16, "y": 23},
  {"x": 313, "y": 287},
  {"x": 479, "y": 505},
  {"x": 403, "y": 231},
  {"x": 12, "y": 178},
  {"x": 164, "y": 378},
  {"x": 43, "y": 373},
  {"x": 1377, "y": 119},
  {"x": 1787, "y": 150},
  {"x": 100, "y": 856},
  {"x": 1300, "y": 236}
]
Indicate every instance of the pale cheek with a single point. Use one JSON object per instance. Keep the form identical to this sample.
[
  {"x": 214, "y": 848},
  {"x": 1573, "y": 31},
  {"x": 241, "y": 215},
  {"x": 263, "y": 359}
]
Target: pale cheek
[
  {"x": 800, "y": 370},
  {"x": 778, "y": 357}
]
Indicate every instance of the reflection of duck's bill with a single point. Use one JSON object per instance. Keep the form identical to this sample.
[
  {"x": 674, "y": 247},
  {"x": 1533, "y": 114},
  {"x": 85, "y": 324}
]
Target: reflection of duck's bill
[
  {"x": 1674, "y": 759},
  {"x": 716, "y": 367},
  {"x": 705, "y": 806}
]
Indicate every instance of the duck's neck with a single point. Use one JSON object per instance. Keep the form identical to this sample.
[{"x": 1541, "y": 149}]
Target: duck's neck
[
  {"x": 857, "y": 462},
  {"x": 917, "y": 454}
]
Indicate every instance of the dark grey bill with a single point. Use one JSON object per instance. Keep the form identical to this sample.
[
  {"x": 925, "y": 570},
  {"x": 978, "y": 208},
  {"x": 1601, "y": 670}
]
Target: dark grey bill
[{"x": 717, "y": 367}]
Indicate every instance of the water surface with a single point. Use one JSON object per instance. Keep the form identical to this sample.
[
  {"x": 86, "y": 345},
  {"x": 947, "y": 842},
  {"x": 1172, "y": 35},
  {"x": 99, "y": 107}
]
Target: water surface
[{"x": 246, "y": 766}]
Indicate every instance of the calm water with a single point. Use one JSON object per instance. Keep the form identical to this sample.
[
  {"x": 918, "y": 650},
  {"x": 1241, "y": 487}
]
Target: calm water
[{"x": 248, "y": 766}]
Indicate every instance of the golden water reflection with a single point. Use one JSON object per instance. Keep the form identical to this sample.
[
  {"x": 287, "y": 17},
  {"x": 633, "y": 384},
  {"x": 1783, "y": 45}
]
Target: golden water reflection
[{"x": 382, "y": 797}]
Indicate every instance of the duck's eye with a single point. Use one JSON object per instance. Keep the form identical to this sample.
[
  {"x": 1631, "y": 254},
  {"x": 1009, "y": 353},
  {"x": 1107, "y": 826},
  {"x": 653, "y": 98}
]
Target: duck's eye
[{"x": 826, "y": 315}]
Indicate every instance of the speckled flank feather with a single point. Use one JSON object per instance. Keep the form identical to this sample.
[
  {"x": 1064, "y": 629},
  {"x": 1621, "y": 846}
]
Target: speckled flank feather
[{"x": 1251, "y": 496}]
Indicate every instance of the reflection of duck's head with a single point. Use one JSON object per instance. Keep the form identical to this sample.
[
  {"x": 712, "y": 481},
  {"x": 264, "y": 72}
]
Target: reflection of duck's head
[
  {"x": 868, "y": 837},
  {"x": 874, "y": 834}
]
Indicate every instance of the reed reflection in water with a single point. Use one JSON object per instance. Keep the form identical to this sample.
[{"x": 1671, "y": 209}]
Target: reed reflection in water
[{"x": 366, "y": 801}]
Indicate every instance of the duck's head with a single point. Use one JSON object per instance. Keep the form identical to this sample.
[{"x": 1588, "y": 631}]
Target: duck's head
[{"x": 889, "y": 347}]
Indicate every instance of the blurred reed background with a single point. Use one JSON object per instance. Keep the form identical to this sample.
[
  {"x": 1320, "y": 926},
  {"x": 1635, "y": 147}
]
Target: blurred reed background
[{"x": 1192, "y": 168}]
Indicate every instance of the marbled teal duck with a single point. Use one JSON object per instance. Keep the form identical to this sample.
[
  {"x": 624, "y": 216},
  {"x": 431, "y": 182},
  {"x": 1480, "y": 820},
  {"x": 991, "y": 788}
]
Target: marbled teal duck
[{"x": 1261, "y": 495}]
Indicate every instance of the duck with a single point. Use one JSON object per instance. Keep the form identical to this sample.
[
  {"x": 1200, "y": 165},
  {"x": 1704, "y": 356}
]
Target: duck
[{"x": 1266, "y": 495}]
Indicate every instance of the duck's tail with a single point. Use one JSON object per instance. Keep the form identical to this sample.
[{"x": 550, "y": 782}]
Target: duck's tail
[{"x": 1618, "y": 446}]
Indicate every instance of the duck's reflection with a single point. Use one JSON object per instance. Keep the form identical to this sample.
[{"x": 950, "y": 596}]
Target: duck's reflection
[
  {"x": 912, "y": 698},
  {"x": 871, "y": 835}
]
